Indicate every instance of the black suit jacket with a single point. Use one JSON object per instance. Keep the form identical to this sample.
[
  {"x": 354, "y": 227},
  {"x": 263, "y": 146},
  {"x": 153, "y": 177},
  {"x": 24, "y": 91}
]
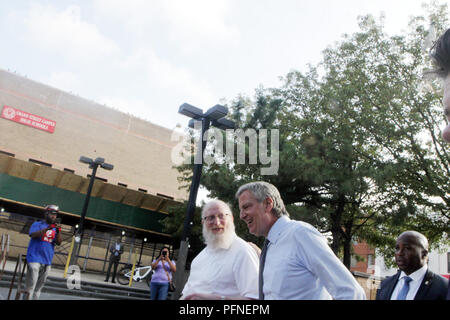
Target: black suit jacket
[
  {"x": 433, "y": 287},
  {"x": 113, "y": 250}
]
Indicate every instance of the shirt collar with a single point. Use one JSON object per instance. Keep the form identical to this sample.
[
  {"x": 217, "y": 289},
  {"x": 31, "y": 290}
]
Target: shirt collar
[
  {"x": 416, "y": 275},
  {"x": 277, "y": 228}
]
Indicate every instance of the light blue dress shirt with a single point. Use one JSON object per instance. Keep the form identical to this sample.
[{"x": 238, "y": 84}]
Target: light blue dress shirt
[
  {"x": 417, "y": 278},
  {"x": 301, "y": 265}
]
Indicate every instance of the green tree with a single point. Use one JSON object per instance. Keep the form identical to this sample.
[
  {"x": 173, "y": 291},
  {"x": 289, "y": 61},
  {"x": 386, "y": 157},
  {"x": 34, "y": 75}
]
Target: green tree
[{"x": 360, "y": 154}]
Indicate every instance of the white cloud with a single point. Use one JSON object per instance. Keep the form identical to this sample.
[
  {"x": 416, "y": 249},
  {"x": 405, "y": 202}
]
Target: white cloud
[
  {"x": 164, "y": 75},
  {"x": 64, "y": 32},
  {"x": 204, "y": 19},
  {"x": 188, "y": 22}
]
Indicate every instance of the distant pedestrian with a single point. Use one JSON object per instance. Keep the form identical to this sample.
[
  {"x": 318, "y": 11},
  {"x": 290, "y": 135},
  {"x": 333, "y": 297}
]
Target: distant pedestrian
[
  {"x": 116, "y": 251},
  {"x": 163, "y": 268},
  {"x": 44, "y": 235}
]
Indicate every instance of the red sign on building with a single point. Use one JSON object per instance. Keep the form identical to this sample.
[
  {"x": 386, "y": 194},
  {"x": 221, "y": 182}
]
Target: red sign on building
[{"x": 28, "y": 119}]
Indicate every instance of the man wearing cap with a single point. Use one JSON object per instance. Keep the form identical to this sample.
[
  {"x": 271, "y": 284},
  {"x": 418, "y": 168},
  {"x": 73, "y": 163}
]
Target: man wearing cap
[{"x": 45, "y": 234}]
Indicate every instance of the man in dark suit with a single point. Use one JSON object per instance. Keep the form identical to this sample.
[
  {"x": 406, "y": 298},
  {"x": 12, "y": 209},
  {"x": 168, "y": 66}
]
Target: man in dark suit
[
  {"x": 114, "y": 259},
  {"x": 413, "y": 281}
]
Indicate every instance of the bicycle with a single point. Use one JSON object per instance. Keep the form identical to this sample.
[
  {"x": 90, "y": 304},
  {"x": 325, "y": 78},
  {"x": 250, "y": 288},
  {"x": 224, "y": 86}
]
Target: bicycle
[{"x": 140, "y": 274}]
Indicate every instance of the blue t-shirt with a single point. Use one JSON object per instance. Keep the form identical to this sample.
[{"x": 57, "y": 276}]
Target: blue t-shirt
[{"x": 41, "y": 250}]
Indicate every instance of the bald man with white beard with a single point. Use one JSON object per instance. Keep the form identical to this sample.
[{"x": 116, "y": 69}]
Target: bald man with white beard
[{"x": 227, "y": 269}]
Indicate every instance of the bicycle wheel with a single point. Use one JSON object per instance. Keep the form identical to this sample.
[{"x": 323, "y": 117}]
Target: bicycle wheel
[{"x": 122, "y": 276}]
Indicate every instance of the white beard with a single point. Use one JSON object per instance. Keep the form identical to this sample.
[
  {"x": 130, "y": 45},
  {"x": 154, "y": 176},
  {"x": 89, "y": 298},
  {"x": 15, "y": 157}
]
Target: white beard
[{"x": 219, "y": 241}]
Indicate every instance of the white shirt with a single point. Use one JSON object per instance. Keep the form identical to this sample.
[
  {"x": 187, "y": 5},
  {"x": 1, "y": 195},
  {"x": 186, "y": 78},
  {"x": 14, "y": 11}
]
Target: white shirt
[
  {"x": 417, "y": 278},
  {"x": 225, "y": 272},
  {"x": 301, "y": 265}
]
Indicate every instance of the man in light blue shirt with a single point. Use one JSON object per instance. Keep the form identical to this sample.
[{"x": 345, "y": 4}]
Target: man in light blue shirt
[{"x": 296, "y": 261}]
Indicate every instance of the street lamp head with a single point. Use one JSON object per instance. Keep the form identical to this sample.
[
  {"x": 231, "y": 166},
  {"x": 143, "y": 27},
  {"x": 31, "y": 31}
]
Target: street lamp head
[
  {"x": 190, "y": 111},
  {"x": 216, "y": 112},
  {"x": 107, "y": 166},
  {"x": 99, "y": 161},
  {"x": 223, "y": 124},
  {"x": 86, "y": 160}
]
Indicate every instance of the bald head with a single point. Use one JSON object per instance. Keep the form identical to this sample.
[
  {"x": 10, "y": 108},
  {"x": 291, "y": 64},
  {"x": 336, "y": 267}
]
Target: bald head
[
  {"x": 225, "y": 208},
  {"x": 417, "y": 237},
  {"x": 411, "y": 251}
]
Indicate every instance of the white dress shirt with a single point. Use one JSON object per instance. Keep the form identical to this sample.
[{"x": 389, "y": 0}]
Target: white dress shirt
[
  {"x": 225, "y": 272},
  {"x": 417, "y": 278},
  {"x": 301, "y": 265}
]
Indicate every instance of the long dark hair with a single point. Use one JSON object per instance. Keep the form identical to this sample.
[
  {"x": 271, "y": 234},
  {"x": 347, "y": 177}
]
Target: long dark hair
[{"x": 168, "y": 249}]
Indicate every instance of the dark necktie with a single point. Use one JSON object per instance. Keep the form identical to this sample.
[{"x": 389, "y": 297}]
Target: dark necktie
[
  {"x": 262, "y": 260},
  {"x": 404, "y": 292}
]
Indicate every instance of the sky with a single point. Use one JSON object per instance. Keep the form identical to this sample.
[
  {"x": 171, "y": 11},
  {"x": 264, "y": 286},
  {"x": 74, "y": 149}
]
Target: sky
[{"x": 147, "y": 57}]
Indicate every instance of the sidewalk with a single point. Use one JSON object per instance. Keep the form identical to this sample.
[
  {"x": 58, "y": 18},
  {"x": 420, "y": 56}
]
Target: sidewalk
[{"x": 89, "y": 277}]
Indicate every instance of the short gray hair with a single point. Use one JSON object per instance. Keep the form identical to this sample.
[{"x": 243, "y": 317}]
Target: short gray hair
[
  {"x": 261, "y": 191},
  {"x": 218, "y": 203}
]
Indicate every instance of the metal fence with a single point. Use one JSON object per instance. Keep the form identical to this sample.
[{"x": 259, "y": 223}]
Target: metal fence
[{"x": 94, "y": 250}]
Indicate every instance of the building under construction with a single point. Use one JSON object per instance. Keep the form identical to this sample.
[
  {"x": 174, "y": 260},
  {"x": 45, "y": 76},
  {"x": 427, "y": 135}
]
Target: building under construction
[{"x": 44, "y": 132}]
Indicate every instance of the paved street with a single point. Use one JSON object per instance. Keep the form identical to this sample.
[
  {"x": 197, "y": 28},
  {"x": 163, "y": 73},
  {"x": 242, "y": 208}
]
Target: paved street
[
  {"x": 92, "y": 287},
  {"x": 44, "y": 296}
]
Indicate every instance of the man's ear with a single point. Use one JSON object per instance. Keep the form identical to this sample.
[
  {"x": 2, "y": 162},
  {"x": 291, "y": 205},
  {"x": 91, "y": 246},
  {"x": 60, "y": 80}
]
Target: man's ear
[
  {"x": 268, "y": 204},
  {"x": 424, "y": 253}
]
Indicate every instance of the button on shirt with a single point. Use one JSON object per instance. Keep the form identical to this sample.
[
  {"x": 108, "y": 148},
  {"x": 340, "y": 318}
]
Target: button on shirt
[
  {"x": 417, "y": 278},
  {"x": 301, "y": 265},
  {"x": 227, "y": 272}
]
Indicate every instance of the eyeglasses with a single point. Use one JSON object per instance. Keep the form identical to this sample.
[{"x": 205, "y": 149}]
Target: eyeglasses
[{"x": 213, "y": 217}]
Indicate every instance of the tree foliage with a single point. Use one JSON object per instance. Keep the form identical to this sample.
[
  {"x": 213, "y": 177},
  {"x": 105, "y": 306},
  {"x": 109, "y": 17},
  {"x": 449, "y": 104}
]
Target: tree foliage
[{"x": 360, "y": 151}]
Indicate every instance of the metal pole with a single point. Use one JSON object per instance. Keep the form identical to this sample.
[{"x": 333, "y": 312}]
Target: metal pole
[
  {"x": 140, "y": 255},
  {"x": 106, "y": 255},
  {"x": 131, "y": 250},
  {"x": 19, "y": 284},
  {"x": 79, "y": 233},
  {"x": 88, "y": 250},
  {"x": 14, "y": 275},
  {"x": 154, "y": 251},
  {"x": 88, "y": 197},
  {"x": 190, "y": 211},
  {"x": 5, "y": 253}
]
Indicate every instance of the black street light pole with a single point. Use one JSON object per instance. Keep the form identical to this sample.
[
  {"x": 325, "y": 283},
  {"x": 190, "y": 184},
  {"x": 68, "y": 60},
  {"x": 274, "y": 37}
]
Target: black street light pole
[
  {"x": 214, "y": 116},
  {"x": 93, "y": 164},
  {"x": 142, "y": 248}
]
